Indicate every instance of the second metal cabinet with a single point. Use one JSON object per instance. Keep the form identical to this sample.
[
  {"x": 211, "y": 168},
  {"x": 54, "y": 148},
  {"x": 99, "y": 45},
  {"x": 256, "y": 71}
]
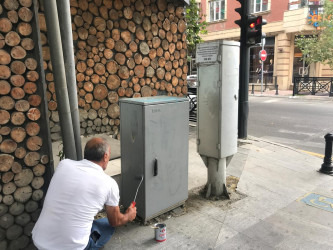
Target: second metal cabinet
[{"x": 154, "y": 144}]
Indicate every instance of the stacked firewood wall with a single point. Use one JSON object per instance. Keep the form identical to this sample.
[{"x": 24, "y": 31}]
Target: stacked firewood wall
[
  {"x": 123, "y": 48},
  {"x": 24, "y": 148}
]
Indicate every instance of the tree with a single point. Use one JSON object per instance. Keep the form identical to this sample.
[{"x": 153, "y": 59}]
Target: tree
[
  {"x": 318, "y": 47},
  {"x": 196, "y": 26}
]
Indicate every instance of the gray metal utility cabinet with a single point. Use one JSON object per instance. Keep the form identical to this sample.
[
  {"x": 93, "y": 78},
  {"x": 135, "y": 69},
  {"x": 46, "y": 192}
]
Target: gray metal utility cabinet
[
  {"x": 218, "y": 76},
  {"x": 154, "y": 144}
]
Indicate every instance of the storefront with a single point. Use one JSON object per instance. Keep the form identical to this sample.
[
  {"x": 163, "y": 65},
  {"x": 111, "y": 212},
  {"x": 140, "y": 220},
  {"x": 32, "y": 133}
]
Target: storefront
[{"x": 255, "y": 62}]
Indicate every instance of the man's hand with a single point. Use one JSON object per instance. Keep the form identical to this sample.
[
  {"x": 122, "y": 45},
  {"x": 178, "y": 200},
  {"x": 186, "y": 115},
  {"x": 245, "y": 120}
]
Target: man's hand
[
  {"x": 116, "y": 218},
  {"x": 131, "y": 212}
]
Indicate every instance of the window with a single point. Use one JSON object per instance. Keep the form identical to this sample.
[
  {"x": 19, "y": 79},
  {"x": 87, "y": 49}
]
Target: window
[
  {"x": 217, "y": 10},
  {"x": 258, "y": 6}
]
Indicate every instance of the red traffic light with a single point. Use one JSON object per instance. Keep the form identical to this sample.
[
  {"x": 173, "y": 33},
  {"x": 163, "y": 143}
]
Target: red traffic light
[{"x": 252, "y": 25}]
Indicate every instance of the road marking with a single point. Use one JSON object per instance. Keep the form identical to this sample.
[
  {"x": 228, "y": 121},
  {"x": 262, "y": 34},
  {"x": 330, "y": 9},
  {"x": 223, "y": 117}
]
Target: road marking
[
  {"x": 313, "y": 153},
  {"x": 271, "y": 100},
  {"x": 318, "y": 201}
]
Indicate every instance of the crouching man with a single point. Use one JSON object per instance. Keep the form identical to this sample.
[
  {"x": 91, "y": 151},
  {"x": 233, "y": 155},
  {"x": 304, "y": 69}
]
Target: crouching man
[{"x": 77, "y": 192}]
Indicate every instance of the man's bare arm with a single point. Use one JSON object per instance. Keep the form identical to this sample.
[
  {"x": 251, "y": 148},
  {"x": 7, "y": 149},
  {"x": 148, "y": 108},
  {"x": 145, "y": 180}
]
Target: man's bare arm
[{"x": 116, "y": 218}]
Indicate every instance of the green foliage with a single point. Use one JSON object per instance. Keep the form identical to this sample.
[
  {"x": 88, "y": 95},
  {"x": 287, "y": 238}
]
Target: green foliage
[
  {"x": 196, "y": 26},
  {"x": 319, "y": 46}
]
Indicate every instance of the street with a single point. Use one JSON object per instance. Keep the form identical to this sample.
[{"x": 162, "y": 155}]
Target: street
[{"x": 297, "y": 122}]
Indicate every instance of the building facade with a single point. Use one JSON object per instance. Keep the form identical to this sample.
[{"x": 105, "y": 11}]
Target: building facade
[{"x": 286, "y": 19}]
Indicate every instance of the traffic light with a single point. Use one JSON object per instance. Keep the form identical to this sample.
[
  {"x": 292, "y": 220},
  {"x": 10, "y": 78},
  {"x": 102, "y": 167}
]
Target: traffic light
[
  {"x": 254, "y": 29},
  {"x": 242, "y": 11}
]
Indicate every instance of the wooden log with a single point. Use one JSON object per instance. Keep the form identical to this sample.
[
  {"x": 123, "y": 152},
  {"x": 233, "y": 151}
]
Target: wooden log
[
  {"x": 137, "y": 18},
  {"x": 18, "y": 67},
  {"x": 115, "y": 34},
  {"x": 4, "y": 87},
  {"x": 100, "y": 92},
  {"x": 31, "y": 88},
  {"x": 126, "y": 36},
  {"x": 8, "y": 188},
  {"x": 5, "y": 25},
  {"x": 34, "y": 100},
  {"x": 8, "y": 200},
  {"x": 131, "y": 26},
  {"x": 140, "y": 33},
  {"x": 30, "y": 63},
  {"x": 88, "y": 98},
  {"x": 6, "y": 220},
  {"x": 5, "y": 178},
  {"x": 16, "y": 167},
  {"x": 34, "y": 143},
  {"x": 99, "y": 69},
  {"x": 25, "y": 14},
  {"x": 112, "y": 67},
  {"x": 32, "y": 128},
  {"x": 39, "y": 170},
  {"x": 144, "y": 48},
  {"x": 37, "y": 182},
  {"x": 2, "y": 41},
  {"x": 160, "y": 73},
  {"x": 8, "y": 146},
  {"x": 146, "y": 62},
  {"x": 17, "y": 93},
  {"x": 120, "y": 58},
  {"x": 33, "y": 114},
  {"x": 4, "y": 72},
  {"x": 139, "y": 71},
  {"x": 24, "y": 178},
  {"x": 113, "y": 111},
  {"x": 18, "y": 134},
  {"x": 17, "y": 118},
  {"x": 103, "y": 10},
  {"x": 5, "y": 57},
  {"x": 138, "y": 58},
  {"x": 99, "y": 23},
  {"x": 123, "y": 72},
  {"x": 7, "y": 103},
  {"x": 102, "y": 112},
  {"x": 11, "y": 4},
  {"x": 4, "y": 130},
  {"x": 113, "y": 82},
  {"x": 128, "y": 13},
  {"x": 146, "y": 91},
  {"x": 150, "y": 72},
  {"x": 20, "y": 153},
  {"x": 23, "y": 194},
  {"x": 24, "y": 29},
  {"x": 23, "y": 218},
  {"x": 142, "y": 82},
  {"x": 22, "y": 105},
  {"x": 32, "y": 159},
  {"x": 108, "y": 54},
  {"x": 95, "y": 105}
]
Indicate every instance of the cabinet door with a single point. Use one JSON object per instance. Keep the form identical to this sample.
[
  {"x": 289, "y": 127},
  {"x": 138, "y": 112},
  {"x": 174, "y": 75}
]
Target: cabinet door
[
  {"x": 132, "y": 153},
  {"x": 166, "y": 156}
]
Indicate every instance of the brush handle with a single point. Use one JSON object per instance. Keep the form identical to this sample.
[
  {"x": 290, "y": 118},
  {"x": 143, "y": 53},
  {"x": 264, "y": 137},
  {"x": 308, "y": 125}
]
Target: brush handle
[{"x": 133, "y": 203}]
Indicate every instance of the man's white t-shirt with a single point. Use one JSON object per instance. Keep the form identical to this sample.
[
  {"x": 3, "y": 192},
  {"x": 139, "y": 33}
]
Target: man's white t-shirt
[{"x": 77, "y": 192}]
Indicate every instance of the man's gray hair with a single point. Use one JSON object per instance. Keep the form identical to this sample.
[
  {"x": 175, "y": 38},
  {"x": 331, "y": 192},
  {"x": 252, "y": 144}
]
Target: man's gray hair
[{"x": 95, "y": 149}]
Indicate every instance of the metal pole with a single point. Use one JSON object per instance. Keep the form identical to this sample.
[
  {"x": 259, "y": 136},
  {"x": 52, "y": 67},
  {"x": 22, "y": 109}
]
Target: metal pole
[
  {"x": 327, "y": 167},
  {"x": 54, "y": 37},
  {"x": 68, "y": 52},
  {"x": 262, "y": 66},
  {"x": 244, "y": 67}
]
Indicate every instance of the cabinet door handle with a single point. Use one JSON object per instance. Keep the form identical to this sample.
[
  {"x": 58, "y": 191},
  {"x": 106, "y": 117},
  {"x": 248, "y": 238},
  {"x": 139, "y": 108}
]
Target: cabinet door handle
[{"x": 155, "y": 167}]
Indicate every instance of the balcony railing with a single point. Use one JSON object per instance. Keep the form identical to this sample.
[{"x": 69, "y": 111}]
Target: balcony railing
[{"x": 297, "y": 4}]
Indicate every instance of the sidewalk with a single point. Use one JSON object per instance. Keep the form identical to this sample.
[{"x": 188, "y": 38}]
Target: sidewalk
[{"x": 265, "y": 213}]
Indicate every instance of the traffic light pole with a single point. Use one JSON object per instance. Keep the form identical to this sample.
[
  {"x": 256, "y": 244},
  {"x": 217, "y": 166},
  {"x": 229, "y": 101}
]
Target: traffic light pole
[{"x": 243, "y": 100}]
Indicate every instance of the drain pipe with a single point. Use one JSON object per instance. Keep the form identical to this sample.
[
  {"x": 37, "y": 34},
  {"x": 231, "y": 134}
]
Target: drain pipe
[
  {"x": 65, "y": 24},
  {"x": 57, "y": 59}
]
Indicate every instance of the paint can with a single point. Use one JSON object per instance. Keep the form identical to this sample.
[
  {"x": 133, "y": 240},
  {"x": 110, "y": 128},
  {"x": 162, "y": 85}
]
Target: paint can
[{"x": 160, "y": 232}]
